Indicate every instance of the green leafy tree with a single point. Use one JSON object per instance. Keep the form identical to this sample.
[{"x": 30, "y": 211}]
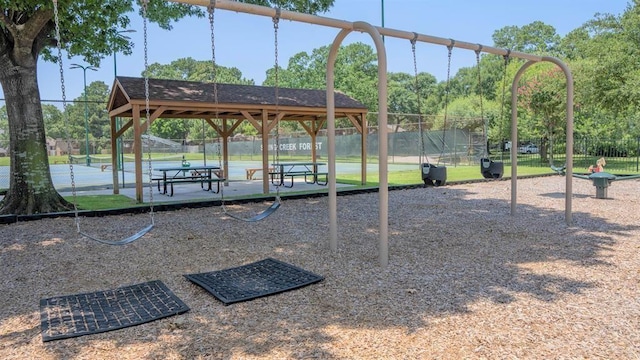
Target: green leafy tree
[
  {"x": 99, "y": 129},
  {"x": 355, "y": 72},
  {"x": 197, "y": 70},
  {"x": 607, "y": 49},
  {"x": 468, "y": 114},
  {"x": 537, "y": 37},
  {"x": 191, "y": 70},
  {"x": 27, "y": 33},
  {"x": 54, "y": 121},
  {"x": 544, "y": 95}
]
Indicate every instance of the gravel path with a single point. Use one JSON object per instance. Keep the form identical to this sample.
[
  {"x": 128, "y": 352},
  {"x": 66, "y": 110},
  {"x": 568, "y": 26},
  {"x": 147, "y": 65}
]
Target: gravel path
[{"x": 465, "y": 279}]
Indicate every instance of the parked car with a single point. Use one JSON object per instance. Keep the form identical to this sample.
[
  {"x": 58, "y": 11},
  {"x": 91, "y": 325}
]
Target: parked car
[{"x": 528, "y": 149}]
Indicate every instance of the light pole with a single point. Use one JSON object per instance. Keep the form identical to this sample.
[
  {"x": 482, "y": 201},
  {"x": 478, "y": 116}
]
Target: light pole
[
  {"x": 86, "y": 107},
  {"x": 382, "y": 11},
  {"x": 119, "y": 147}
]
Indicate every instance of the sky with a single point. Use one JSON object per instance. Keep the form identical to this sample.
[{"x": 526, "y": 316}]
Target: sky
[{"x": 246, "y": 41}]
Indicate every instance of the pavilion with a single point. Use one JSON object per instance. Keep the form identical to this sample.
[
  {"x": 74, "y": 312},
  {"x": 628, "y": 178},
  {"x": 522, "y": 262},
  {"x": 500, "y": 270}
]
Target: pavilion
[{"x": 178, "y": 99}]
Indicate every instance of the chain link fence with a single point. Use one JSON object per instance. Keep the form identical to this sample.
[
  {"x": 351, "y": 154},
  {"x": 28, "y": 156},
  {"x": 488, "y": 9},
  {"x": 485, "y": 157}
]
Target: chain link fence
[{"x": 451, "y": 142}]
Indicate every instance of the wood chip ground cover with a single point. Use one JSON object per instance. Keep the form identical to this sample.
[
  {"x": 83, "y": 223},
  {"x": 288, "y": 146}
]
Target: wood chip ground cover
[{"x": 465, "y": 278}]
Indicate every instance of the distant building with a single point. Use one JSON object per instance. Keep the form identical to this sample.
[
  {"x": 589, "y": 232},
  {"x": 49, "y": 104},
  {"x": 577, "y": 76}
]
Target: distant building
[{"x": 59, "y": 147}]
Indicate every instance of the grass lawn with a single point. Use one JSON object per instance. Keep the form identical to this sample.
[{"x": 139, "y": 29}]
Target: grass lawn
[
  {"x": 102, "y": 202},
  {"x": 459, "y": 173}
]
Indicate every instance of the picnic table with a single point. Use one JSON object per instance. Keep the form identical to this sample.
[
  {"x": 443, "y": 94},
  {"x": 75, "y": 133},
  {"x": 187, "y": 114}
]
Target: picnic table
[
  {"x": 308, "y": 170},
  {"x": 202, "y": 174}
]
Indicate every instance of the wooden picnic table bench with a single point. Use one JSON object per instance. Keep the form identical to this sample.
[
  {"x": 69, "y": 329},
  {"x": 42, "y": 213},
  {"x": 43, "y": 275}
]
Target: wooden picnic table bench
[
  {"x": 201, "y": 180},
  {"x": 308, "y": 170},
  {"x": 203, "y": 174}
]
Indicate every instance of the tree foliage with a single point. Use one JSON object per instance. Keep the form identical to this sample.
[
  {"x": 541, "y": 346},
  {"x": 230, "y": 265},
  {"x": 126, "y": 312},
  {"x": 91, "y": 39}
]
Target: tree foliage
[
  {"x": 537, "y": 37},
  {"x": 190, "y": 69},
  {"x": 28, "y": 31},
  {"x": 602, "y": 54}
]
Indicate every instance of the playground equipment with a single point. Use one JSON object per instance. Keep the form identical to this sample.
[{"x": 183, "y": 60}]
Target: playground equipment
[
  {"x": 376, "y": 34},
  {"x": 277, "y": 201},
  {"x": 432, "y": 174},
  {"x": 602, "y": 180},
  {"x": 148, "y": 228}
]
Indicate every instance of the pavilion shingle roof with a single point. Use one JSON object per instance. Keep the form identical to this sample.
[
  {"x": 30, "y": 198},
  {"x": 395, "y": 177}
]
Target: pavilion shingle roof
[{"x": 190, "y": 91}]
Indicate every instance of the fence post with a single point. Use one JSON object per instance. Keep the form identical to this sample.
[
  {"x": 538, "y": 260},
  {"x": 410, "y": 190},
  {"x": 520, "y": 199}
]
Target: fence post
[{"x": 637, "y": 152}]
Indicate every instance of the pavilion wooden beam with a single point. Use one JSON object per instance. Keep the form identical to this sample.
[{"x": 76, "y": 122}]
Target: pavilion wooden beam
[
  {"x": 356, "y": 123},
  {"x": 121, "y": 109},
  {"x": 152, "y": 117},
  {"x": 256, "y": 124},
  {"x": 224, "y": 132}
]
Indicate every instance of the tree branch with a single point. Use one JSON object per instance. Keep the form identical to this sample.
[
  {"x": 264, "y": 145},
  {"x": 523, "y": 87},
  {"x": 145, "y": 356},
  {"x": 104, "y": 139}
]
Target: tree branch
[
  {"x": 46, "y": 38},
  {"x": 34, "y": 25},
  {"x": 8, "y": 24}
]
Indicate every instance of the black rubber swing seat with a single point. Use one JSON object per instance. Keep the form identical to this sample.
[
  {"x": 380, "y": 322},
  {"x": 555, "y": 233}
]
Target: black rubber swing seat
[
  {"x": 491, "y": 169},
  {"x": 433, "y": 175}
]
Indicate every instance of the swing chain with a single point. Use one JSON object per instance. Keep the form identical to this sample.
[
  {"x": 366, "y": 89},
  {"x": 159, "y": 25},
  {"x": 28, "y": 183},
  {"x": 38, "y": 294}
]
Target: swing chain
[
  {"x": 214, "y": 77},
  {"x": 417, "y": 88},
  {"x": 276, "y": 21},
  {"x": 56, "y": 17},
  {"x": 504, "y": 89},
  {"x": 211, "y": 10},
  {"x": 147, "y": 111},
  {"x": 448, "y": 84},
  {"x": 485, "y": 130},
  {"x": 446, "y": 97}
]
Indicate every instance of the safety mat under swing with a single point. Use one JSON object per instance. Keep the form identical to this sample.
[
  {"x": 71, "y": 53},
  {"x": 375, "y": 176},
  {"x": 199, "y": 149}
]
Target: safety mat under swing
[
  {"x": 254, "y": 280},
  {"x": 91, "y": 313}
]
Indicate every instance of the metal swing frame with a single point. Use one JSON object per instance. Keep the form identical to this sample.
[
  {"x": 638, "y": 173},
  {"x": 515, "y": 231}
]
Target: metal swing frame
[
  {"x": 278, "y": 201},
  {"x": 146, "y": 229},
  {"x": 376, "y": 34}
]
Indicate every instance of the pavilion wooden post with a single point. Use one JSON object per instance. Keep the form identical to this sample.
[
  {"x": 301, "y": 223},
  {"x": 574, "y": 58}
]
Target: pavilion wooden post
[
  {"x": 224, "y": 132},
  {"x": 313, "y": 134},
  {"x": 312, "y": 130},
  {"x": 314, "y": 152},
  {"x": 265, "y": 151},
  {"x": 225, "y": 152},
  {"x": 137, "y": 151},
  {"x": 315, "y": 127},
  {"x": 114, "y": 155},
  {"x": 363, "y": 148},
  {"x": 361, "y": 126}
]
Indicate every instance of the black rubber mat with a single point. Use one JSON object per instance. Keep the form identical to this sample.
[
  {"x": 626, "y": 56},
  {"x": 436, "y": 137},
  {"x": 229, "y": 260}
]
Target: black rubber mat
[
  {"x": 254, "y": 280},
  {"x": 82, "y": 314}
]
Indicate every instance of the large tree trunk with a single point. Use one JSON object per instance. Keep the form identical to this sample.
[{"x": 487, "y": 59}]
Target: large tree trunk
[{"x": 31, "y": 189}]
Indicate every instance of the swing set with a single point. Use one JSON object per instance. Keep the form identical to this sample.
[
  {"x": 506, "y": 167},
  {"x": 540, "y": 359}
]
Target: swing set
[{"x": 376, "y": 34}]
